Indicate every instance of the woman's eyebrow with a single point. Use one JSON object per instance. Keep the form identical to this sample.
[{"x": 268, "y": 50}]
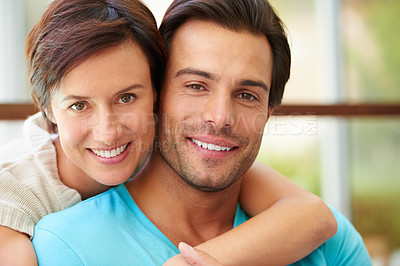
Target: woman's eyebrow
[{"x": 81, "y": 98}]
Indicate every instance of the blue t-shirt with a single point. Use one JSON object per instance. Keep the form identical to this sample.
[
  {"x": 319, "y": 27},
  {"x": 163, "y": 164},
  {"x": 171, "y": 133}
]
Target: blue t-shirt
[{"x": 110, "y": 229}]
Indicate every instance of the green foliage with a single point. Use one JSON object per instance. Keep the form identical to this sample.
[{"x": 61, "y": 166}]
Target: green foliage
[
  {"x": 301, "y": 167},
  {"x": 382, "y": 17},
  {"x": 378, "y": 215},
  {"x": 375, "y": 178},
  {"x": 375, "y": 156},
  {"x": 378, "y": 80},
  {"x": 375, "y": 146}
]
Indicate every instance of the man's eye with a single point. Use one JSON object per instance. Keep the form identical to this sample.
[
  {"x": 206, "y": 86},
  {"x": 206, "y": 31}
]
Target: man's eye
[
  {"x": 247, "y": 96},
  {"x": 126, "y": 98},
  {"x": 79, "y": 106},
  {"x": 196, "y": 87}
]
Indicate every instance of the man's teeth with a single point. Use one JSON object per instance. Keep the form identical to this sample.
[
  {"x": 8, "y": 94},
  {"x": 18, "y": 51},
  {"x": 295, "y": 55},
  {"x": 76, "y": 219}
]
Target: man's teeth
[
  {"x": 111, "y": 153},
  {"x": 209, "y": 146}
]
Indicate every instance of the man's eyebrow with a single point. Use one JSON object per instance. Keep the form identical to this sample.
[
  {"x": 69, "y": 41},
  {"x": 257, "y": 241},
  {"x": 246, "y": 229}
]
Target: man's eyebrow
[
  {"x": 82, "y": 98},
  {"x": 193, "y": 71},
  {"x": 254, "y": 83},
  {"x": 211, "y": 76}
]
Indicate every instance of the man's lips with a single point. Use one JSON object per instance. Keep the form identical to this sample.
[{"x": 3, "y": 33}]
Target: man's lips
[{"x": 213, "y": 145}]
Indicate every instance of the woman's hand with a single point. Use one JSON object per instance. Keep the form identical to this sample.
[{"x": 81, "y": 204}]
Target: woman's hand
[{"x": 191, "y": 256}]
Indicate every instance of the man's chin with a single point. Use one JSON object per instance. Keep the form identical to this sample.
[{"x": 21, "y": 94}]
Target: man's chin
[{"x": 209, "y": 188}]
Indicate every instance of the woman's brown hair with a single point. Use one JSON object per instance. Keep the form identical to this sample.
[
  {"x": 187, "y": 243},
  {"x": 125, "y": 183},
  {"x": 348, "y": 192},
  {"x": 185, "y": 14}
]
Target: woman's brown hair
[{"x": 70, "y": 31}]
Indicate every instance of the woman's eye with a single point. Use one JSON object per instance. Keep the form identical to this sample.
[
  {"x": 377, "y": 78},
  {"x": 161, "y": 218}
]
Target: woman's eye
[
  {"x": 126, "y": 98},
  {"x": 196, "y": 87},
  {"x": 79, "y": 106},
  {"x": 247, "y": 96}
]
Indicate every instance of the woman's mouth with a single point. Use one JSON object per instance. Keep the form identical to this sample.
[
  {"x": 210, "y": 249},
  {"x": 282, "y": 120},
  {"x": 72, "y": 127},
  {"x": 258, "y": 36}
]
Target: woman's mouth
[{"x": 110, "y": 153}]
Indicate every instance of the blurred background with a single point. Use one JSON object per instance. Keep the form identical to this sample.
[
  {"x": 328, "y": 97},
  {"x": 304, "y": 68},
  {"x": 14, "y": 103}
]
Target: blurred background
[{"x": 344, "y": 53}]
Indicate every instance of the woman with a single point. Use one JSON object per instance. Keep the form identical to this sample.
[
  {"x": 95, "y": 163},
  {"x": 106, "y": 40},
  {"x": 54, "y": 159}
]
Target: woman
[{"x": 95, "y": 68}]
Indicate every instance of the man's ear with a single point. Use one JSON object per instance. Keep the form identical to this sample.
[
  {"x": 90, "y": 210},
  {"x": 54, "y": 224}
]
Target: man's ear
[{"x": 270, "y": 111}]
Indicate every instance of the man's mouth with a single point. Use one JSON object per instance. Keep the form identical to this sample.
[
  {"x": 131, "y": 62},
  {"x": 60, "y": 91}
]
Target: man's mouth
[
  {"x": 110, "y": 153},
  {"x": 209, "y": 146}
]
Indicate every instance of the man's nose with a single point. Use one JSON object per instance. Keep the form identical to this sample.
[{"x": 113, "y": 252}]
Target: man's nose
[
  {"x": 108, "y": 128},
  {"x": 218, "y": 110}
]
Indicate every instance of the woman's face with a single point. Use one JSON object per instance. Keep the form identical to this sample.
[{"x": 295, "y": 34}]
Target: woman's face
[{"x": 104, "y": 113}]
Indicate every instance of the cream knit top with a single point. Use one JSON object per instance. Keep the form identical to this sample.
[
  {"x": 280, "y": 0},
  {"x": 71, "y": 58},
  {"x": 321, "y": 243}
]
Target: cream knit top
[{"x": 30, "y": 186}]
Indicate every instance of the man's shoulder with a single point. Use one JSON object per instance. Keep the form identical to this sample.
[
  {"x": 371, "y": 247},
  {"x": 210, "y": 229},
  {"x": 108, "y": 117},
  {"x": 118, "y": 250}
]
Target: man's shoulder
[
  {"x": 91, "y": 208},
  {"x": 105, "y": 229},
  {"x": 346, "y": 247}
]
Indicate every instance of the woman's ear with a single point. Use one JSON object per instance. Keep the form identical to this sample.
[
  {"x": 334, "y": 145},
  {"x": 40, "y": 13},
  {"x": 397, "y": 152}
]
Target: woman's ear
[{"x": 49, "y": 115}]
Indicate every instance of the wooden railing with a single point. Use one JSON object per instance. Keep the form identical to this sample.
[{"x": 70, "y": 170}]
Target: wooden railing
[
  {"x": 16, "y": 111},
  {"x": 20, "y": 111},
  {"x": 345, "y": 110}
]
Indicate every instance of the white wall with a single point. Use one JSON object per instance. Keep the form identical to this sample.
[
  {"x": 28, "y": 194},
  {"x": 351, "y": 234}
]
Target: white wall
[{"x": 158, "y": 7}]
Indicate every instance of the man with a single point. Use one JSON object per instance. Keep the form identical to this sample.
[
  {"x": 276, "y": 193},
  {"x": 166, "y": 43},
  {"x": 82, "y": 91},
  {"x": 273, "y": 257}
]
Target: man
[{"x": 226, "y": 72}]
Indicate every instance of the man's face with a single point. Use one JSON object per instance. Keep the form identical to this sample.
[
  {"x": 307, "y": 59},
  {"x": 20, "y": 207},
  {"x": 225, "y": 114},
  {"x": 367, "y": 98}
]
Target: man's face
[{"x": 214, "y": 104}]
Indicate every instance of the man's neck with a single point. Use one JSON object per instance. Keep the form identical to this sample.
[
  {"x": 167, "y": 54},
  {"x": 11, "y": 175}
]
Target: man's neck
[{"x": 180, "y": 211}]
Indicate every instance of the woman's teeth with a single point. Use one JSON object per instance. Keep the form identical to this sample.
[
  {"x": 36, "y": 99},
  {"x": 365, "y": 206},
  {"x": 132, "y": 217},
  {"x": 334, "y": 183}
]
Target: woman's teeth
[{"x": 110, "y": 153}]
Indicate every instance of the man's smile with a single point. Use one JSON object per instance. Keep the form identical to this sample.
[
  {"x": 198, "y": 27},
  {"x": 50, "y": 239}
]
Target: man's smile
[{"x": 210, "y": 146}]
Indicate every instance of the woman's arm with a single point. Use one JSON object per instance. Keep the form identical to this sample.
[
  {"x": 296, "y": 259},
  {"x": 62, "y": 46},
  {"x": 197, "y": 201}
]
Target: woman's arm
[
  {"x": 288, "y": 223},
  {"x": 16, "y": 248}
]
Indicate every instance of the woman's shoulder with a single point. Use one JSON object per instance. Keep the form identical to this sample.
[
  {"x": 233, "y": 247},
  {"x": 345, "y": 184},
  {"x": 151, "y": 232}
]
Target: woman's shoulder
[{"x": 36, "y": 139}]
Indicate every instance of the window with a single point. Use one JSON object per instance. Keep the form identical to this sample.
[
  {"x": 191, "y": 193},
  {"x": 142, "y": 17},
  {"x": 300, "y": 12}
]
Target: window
[
  {"x": 338, "y": 129},
  {"x": 17, "y": 17},
  {"x": 349, "y": 53}
]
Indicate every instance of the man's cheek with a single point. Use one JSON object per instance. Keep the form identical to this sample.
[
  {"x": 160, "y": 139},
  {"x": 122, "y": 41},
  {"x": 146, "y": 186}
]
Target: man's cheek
[{"x": 250, "y": 124}]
